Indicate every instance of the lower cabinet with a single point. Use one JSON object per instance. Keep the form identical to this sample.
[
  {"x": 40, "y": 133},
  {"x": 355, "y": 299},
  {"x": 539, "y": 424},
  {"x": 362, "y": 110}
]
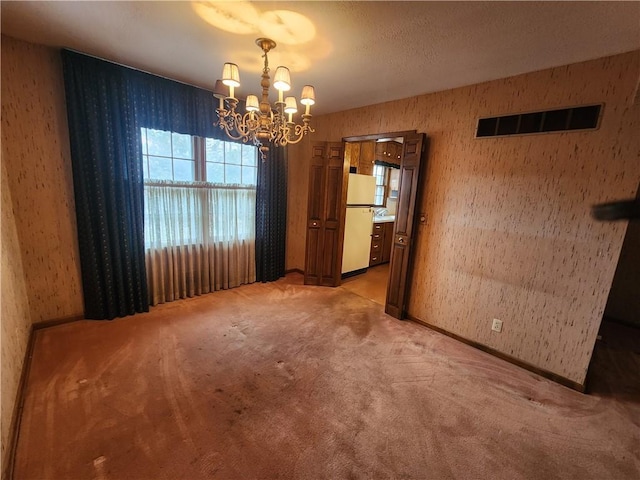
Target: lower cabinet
[{"x": 381, "y": 239}]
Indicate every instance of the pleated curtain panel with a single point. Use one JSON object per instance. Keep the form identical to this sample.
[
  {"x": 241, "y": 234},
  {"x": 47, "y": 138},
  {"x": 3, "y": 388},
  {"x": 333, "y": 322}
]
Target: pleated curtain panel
[
  {"x": 271, "y": 216},
  {"x": 196, "y": 242},
  {"x": 128, "y": 262}
]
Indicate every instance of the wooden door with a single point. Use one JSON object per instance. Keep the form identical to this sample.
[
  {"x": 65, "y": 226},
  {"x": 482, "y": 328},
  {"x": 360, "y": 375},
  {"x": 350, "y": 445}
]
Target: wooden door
[
  {"x": 328, "y": 175},
  {"x": 403, "y": 232}
]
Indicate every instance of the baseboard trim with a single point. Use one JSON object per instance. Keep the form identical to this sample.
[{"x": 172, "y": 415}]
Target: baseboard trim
[
  {"x": 294, "y": 270},
  {"x": 57, "y": 321},
  {"x": 353, "y": 273},
  {"x": 16, "y": 417},
  {"x": 503, "y": 356}
]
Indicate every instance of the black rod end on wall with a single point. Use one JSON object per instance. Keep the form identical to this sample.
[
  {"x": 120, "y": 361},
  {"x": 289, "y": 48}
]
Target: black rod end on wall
[{"x": 618, "y": 210}]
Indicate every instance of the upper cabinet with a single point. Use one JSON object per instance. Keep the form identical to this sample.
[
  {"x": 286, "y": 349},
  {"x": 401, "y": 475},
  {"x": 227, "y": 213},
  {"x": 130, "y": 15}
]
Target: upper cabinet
[
  {"x": 360, "y": 156},
  {"x": 389, "y": 151},
  {"x": 367, "y": 150}
]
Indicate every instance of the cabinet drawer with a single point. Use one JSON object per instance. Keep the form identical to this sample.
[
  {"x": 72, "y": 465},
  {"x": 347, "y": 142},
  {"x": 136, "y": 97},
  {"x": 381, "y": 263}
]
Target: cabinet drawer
[
  {"x": 376, "y": 246},
  {"x": 378, "y": 227},
  {"x": 376, "y": 236}
]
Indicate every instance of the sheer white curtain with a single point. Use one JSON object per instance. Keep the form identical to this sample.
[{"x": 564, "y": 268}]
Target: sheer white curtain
[{"x": 199, "y": 237}]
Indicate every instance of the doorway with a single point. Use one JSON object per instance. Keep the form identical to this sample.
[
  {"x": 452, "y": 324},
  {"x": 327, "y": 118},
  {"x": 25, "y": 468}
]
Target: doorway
[
  {"x": 374, "y": 163},
  {"x": 371, "y": 284},
  {"x": 327, "y": 214}
]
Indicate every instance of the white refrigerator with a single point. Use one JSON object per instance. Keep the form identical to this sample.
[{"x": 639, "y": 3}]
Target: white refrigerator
[{"x": 361, "y": 191}]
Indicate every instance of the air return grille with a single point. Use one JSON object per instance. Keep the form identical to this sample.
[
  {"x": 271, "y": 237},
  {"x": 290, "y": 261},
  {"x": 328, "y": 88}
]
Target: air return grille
[{"x": 577, "y": 118}]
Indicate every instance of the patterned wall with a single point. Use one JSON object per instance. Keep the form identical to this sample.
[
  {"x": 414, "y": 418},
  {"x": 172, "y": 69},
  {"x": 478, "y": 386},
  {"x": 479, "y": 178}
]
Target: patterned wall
[
  {"x": 35, "y": 144},
  {"x": 14, "y": 308},
  {"x": 509, "y": 234}
]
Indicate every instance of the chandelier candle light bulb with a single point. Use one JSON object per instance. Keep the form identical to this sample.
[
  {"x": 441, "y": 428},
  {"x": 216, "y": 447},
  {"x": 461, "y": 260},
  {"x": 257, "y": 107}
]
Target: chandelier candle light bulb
[
  {"x": 308, "y": 98},
  {"x": 261, "y": 123},
  {"x": 231, "y": 77},
  {"x": 290, "y": 107}
]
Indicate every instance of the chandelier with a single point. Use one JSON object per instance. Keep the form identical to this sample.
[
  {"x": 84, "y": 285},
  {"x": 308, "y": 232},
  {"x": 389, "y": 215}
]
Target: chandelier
[{"x": 261, "y": 124}]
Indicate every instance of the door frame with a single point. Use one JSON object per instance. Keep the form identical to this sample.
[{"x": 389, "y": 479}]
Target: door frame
[{"x": 360, "y": 138}]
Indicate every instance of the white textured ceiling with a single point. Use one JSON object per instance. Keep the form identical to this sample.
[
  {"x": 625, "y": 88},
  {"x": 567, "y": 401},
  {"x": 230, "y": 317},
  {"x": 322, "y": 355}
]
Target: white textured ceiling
[{"x": 354, "y": 53}]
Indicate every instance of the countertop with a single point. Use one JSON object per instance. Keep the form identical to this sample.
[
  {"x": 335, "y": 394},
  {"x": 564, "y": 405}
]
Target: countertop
[{"x": 384, "y": 219}]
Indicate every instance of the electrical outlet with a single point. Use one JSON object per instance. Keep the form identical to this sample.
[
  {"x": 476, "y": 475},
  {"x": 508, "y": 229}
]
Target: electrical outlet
[{"x": 496, "y": 326}]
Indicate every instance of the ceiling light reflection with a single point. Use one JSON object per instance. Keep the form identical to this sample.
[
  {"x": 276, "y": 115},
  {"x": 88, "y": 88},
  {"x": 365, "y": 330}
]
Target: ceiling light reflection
[
  {"x": 231, "y": 16},
  {"x": 242, "y": 17},
  {"x": 285, "y": 26}
]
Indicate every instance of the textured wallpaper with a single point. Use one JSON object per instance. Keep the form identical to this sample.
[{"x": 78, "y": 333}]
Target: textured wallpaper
[
  {"x": 35, "y": 147},
  {"x": 509, "y": 234},
  {"x": 14, "y": 311}
]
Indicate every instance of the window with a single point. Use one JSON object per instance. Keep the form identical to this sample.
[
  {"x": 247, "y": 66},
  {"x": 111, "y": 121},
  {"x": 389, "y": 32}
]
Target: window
[
  {"x": 177, "y": 157},
  {"x": 198, "y": 191},
  {"x": 228, "y": 162},
  {"x": 168, "y": 156},
  {"x": 380, "y": 173}
]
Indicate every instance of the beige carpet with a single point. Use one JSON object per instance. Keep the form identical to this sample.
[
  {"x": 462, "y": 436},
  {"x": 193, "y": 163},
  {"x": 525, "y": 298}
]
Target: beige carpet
[{"x": 281, "y": 380}]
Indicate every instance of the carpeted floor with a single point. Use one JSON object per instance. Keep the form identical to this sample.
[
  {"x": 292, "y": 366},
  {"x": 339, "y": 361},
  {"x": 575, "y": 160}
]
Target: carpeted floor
[{"x": 280, "y": 380}]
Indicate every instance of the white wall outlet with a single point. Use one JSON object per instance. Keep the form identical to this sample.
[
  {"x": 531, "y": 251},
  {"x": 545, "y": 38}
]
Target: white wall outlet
[{"x": 496, "y": 326}]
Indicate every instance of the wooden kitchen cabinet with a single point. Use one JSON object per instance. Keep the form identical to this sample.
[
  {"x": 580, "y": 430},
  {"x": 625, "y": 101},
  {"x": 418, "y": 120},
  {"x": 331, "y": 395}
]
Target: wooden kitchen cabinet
[
  {"x": 367, "y": 155},
  {"x": 387, "y": 241},
  {"x": 390, "y": 152},
  {"x": 381, "y": 240},
  {"x": 352, "y": 154}
]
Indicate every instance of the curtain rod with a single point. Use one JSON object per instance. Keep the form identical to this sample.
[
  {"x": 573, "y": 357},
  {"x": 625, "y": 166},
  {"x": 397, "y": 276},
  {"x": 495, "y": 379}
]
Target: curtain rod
[{"x": 136, "y": 69}]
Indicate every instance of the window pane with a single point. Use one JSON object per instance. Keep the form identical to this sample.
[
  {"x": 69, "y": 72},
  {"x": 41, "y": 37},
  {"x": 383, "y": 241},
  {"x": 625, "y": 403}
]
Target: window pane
[
  {"x": 214, "y": 150},
  {"x": 394, "y": 180},
  {"x": 160, "y": 168},
  {"x": 232, "y": 154},
  {"x": 143, "y": 135},
  {"x": 249, "y": 175},
  {"x": 182, "y": 146},
  {"x": 184, "y": 170},
  {"x": 159, "y": 142},
  {"x": 232, "y": 174},
  {"x": 249, "y": 155},
  {"x": 215, "y": 172},
  {"x": 145, "y": 166}
]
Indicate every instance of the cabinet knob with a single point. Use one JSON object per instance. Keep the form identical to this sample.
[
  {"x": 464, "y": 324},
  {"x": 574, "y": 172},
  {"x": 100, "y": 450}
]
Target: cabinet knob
[
  {"x": 315, "y": 224},
  {"x": 401, "y": 240}
]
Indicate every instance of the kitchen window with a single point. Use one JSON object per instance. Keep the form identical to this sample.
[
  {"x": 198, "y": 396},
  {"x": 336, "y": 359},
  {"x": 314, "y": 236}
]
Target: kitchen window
[{"x": 381, "y": 175}]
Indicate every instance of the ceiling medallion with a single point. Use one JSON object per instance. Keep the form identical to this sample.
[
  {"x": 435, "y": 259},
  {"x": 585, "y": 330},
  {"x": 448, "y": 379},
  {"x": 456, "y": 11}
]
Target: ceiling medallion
[{"x": 261, "y": 124}]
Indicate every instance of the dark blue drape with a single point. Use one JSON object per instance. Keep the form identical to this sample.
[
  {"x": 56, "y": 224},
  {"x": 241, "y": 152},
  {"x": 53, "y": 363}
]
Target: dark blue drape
[
  {"x": 107, "y": 104},
  {"x": 271, "y": 215}
]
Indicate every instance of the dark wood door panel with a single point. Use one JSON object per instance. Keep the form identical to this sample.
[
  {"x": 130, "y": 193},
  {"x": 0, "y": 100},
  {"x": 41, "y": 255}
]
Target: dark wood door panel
[
  {"x": 330, "y": 244},
  {"x": 325, "y": 218},
  {"x": 410, "y": 167},
  {"x": 334, "y": 184},
  {"x": 312, "y": 268},
  {"x": 397, "y": 281},
  {"x": 403, "y": 220},
  {"x": 316, "y": 185}
]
